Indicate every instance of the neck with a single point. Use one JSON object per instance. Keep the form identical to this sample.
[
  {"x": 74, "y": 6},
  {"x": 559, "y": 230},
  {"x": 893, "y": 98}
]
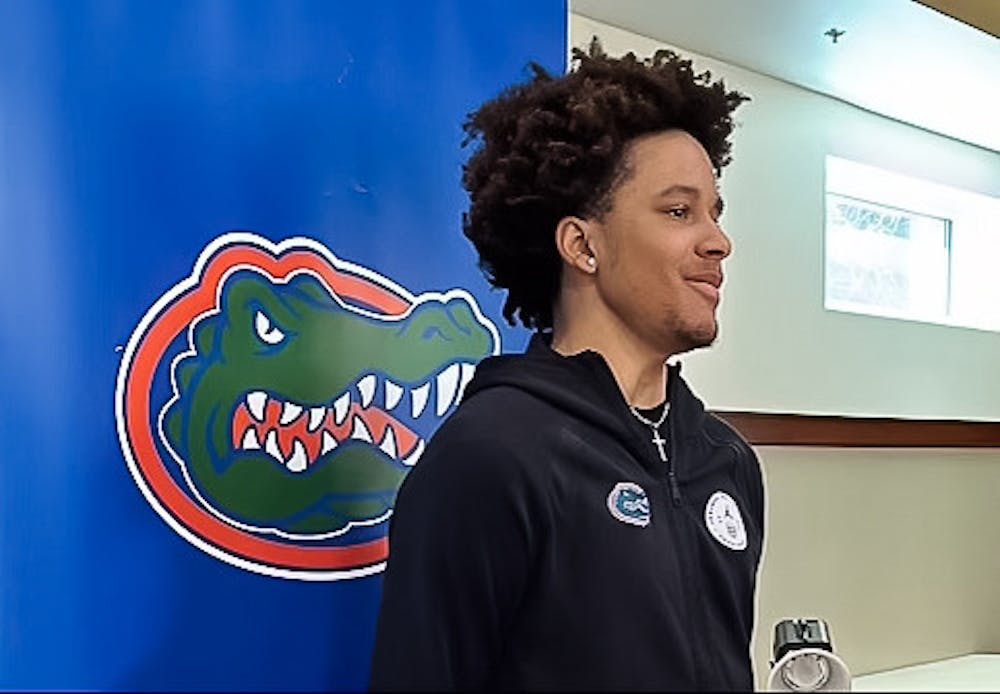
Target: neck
[{"x": 639, "y": 370}]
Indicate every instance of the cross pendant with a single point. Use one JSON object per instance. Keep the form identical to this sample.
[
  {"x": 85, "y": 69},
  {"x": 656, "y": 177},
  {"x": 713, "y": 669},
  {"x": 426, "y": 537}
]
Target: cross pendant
[{"x": 659, "y": 442}]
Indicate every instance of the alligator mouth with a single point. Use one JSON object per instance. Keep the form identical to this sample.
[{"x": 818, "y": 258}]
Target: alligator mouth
[{"x": 298, "y": 435}]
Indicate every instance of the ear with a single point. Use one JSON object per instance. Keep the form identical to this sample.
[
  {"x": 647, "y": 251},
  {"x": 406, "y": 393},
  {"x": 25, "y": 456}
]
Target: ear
[{"x": 573, "y": 244}]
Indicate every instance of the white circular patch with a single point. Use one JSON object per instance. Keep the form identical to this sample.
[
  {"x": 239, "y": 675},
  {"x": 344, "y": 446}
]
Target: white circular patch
[{"x": 724, "y": 521}]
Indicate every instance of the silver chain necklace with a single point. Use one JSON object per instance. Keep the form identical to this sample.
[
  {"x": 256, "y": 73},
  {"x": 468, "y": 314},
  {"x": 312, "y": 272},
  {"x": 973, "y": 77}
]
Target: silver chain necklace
[{"x": 658, "y": 440}]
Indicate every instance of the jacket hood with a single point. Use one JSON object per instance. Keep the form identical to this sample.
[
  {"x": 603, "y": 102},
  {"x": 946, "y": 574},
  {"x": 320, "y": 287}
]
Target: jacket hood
[{"x": 584, "y": 386}]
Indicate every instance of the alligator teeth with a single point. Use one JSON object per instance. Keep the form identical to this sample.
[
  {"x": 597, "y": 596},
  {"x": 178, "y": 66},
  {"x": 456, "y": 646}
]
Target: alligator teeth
[
  {"x": 289, "y": 413},
  {"x": 447, "y": 386},
  {"x": 250, "y": 442},
  {"x": 271, "y": 446},
  {"x": 340, "y": 408},
  {"x": 414, "y": 456},
  {"x": 366, "y": 386},
  {"x": 256, "y": 403},
  {"x": 299, "y": 461},
  {"x": 468, "y": 371},
  {"x": 393, "y": 394},
  {"x": 316, "y": 417},
  {"x": 388, "y": 444},
  {"x": 360, "y": 431},
  {"x": 329, "y": 443},
  {"x": 419, "y": 399}
]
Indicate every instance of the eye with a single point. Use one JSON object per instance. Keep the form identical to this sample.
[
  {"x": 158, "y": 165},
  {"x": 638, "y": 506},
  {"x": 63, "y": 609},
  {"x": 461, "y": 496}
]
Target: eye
[
  {"x": 265, "y": 330},
  {"x": 678, "y": 212}
]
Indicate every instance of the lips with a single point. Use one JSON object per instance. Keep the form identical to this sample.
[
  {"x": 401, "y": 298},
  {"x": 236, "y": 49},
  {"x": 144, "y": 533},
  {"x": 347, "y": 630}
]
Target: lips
[{"x": 706, "y": 283}]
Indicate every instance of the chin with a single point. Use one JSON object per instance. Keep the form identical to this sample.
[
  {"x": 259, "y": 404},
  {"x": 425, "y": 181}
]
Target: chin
[{"x": 697, "y": 336}]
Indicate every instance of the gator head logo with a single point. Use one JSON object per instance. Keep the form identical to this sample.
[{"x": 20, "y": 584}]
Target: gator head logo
[
  {"x": 270, "y": 404},
  {"x": 628, "y": 503}
]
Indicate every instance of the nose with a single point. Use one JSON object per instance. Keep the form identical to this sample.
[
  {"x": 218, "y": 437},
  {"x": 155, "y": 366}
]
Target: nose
[{"x": 715, "y": 244}]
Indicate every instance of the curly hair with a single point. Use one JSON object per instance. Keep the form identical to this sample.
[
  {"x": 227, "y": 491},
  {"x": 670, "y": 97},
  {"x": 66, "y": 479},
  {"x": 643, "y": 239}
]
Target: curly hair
[{"x": 554, "y": 147}]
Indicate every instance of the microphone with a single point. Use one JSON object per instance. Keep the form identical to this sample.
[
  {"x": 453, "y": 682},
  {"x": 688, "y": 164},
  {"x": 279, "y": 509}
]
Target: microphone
[{"x": 804, "y": 660}]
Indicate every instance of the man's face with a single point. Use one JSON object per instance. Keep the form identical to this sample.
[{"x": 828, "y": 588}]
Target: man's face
[{"x": 660, "y": 248}]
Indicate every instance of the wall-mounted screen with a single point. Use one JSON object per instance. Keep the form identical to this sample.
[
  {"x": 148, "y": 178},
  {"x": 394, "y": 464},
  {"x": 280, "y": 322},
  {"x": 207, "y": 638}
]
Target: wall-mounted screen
[{"x": 905, "y": 248}]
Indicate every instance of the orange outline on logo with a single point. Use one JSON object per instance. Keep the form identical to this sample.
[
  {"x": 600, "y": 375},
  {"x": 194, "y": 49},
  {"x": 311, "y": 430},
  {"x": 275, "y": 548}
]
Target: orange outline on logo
[{"x": 174, "y": 320}]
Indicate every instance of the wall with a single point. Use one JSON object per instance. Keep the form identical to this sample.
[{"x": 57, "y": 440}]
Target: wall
[
  {"x": 772, "y": 312},
  {"x": 891, "y": 546},
  {"x": 894, "y": 548}
]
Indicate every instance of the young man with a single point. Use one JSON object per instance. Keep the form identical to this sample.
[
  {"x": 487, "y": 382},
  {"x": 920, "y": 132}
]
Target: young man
[{"x": 581, "y": 522}]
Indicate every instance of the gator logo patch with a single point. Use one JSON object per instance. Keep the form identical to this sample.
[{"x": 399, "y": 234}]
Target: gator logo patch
[
  {"x": 628, "y": 503},
  {"x": 270, "y": 404}
]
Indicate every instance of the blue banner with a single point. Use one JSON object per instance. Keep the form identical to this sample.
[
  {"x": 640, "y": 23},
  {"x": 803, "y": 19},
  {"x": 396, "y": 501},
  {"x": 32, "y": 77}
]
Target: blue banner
[{"x": 236, "y": 303}]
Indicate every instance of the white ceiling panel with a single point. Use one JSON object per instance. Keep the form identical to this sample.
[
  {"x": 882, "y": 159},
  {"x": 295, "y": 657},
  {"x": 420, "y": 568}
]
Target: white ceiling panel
[{"x": 895, "y": 57}]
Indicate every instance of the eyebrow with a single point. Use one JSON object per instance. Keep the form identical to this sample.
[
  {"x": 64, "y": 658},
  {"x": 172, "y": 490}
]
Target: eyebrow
[{"x": 694, "y": 192}]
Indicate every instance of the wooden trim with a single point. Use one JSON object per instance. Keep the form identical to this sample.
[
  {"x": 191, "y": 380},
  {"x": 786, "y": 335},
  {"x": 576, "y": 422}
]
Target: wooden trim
[{"x": 768, "y": 429}]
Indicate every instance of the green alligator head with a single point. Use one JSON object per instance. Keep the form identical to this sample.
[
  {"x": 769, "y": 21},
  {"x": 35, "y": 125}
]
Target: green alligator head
[{"x": 297, "y": 414}]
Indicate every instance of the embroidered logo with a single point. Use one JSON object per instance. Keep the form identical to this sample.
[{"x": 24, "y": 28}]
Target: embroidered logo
[
  {"x": 628, "y": 503},
  {"x": 724, "y": 521}
]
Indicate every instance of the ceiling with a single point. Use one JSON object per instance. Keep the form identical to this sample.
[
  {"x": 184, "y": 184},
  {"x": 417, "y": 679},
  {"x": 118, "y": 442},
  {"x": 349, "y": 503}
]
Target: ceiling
[
  {"x": 982, "y": 14},
  {"x": 898, "y": 58}
]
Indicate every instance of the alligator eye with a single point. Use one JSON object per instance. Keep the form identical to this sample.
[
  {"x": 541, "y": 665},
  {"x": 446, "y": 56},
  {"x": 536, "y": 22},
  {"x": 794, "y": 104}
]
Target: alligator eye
[{"x": 265, "y": 331}]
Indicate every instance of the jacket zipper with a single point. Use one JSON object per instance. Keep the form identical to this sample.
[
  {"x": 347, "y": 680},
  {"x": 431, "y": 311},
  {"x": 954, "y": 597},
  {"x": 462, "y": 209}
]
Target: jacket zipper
[
  {"x": 691, "y": 597},
  {"x": 675, "y": 489}
]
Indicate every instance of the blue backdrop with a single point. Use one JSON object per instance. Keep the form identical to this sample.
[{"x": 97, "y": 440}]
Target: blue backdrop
[{"x": 132, "y": 137}]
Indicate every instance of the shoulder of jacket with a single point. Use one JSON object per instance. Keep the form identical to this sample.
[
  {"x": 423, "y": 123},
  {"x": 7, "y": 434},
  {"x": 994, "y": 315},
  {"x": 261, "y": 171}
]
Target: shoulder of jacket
[
  {"x": 503, "y": 407},
  {"x": 748, "y": 463},
  {"x": 723, "y": 433},
  {"x": 484, "y": 440}
]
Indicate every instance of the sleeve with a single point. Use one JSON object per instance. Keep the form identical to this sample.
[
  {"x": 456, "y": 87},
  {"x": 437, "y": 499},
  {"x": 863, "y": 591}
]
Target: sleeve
[
  {"x": 757, "y": 488},
  {"x": 458, "y": 559},
  {"x": 754, "y": 476}
]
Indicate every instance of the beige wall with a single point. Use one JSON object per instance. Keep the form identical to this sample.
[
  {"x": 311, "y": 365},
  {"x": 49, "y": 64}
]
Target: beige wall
[{"x": 898, "y": 549}]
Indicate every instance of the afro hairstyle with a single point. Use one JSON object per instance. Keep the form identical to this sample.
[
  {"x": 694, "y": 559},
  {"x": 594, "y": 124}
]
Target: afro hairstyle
[{"x": 556, "y": 146}]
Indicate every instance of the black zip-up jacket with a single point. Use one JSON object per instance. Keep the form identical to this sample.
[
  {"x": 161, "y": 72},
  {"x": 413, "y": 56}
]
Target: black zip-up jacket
[{"x": 519, "y": 561}]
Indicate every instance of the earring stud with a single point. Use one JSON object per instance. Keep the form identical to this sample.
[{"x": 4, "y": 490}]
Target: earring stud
[{"x": 591, "y": 261}]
